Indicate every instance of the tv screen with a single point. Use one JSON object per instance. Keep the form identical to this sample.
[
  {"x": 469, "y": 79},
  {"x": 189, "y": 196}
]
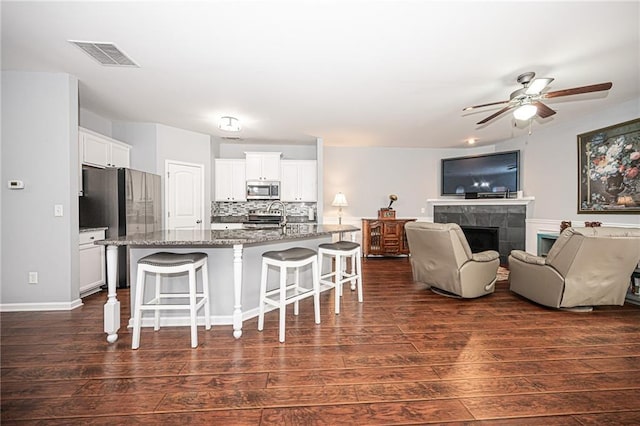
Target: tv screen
[{"x": 489, "y": 173}]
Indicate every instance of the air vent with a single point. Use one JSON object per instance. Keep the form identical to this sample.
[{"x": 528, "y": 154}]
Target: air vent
[
  {"x": 105, "y": 53},
  {"x": 231, "y": 138}
]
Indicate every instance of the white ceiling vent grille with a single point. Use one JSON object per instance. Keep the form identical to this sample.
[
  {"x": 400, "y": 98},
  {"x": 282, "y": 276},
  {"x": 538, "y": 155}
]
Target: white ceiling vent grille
[{"x": 105, "y": 53}]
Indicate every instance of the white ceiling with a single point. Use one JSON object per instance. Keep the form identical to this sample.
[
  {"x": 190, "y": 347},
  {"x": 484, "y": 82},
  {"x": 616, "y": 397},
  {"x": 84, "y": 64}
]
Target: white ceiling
[{"x": 355, "y": 73}]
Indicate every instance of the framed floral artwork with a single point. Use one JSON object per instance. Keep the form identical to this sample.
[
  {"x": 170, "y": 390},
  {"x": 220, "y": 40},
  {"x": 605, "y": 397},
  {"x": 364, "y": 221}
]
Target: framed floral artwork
[{"x": 609, "y": 169}]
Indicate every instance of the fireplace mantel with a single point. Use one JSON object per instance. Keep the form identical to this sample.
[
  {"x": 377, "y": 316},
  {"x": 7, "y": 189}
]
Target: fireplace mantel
[{"x": 481, "y": 201}]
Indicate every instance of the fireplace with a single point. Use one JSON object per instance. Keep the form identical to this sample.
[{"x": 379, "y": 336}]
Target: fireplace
[
  {"x": 509, "y": 219},
  {"x": 482, "y": 238}
]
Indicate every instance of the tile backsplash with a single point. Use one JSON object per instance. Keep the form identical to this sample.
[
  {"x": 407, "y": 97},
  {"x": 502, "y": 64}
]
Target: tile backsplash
[{"x": 223, "y": 208}]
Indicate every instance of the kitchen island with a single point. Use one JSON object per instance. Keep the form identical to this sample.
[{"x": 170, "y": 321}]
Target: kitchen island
[{"x": 234, "y": 259}]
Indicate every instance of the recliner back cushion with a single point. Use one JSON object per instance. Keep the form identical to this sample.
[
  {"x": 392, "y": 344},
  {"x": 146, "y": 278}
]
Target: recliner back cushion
[
  {"x": 592, "y": 261},
  {"x": 436, "y": 253}
]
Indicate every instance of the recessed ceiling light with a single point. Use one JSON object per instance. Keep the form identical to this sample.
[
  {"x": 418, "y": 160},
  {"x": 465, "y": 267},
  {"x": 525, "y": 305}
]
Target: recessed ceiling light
[{"x": 471, "y": 141}]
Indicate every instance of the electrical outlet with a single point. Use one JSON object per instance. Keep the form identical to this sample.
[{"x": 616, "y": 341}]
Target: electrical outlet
[
  {"x": 33, "y": 278},
  {"x": 57, "y": 210},
  {"x": 422, "y": 210}
]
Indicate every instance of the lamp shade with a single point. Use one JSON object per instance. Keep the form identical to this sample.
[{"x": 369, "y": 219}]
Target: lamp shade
[
  {"x": 340, "y": 200},
  {"x": 525, "y": 112}
]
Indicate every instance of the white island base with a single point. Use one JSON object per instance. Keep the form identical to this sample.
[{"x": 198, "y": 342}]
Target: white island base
[{"x": 234, "y": 275}]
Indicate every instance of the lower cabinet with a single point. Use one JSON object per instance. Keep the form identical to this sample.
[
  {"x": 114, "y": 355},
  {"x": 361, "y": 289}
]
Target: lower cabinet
[
  {"x": 92, "y": 263},
  {"x": 384, "y": 237}
]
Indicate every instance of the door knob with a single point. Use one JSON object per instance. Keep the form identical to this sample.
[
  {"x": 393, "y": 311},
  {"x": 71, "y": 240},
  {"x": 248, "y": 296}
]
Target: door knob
[{"x": 198, "y": 221}]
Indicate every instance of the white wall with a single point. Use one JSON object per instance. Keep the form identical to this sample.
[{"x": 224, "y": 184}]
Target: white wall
[
  {"x": 143, "y": 138},
  {"x": 549, "y": 173},
  {"x": 550, "y": 164},
  {"x": 289, "y": 152},
  {"x": 92, "y": 121},
  {"x": 367, "y": 176},
  {"x": 39, "y": 147}
]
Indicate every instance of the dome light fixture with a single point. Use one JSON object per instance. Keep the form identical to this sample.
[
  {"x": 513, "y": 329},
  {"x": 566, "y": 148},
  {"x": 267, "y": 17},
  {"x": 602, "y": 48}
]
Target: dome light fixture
[
  {"x": 229, "y": 124},
  {"x": 525, "y": 111}
]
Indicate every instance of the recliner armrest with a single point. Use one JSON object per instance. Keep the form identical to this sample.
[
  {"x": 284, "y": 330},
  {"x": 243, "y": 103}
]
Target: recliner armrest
[
  {"x": 485, "y": 256},
  {"x": 528, "y": 258}
]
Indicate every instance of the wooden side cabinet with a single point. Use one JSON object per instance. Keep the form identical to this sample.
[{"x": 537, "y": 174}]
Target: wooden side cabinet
[{"x": 384, "y": 237}]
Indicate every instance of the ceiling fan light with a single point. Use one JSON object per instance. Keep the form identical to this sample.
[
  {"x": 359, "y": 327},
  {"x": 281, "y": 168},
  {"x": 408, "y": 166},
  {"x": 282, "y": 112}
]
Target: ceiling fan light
[
  {"x": 537, "y": 85},
  {"x": 229, "y": 124},
  {"x": 525, "y": 112}
]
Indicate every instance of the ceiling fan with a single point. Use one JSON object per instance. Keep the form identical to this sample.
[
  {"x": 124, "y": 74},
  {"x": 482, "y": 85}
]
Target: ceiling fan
[{"x": 527, "y": 100}]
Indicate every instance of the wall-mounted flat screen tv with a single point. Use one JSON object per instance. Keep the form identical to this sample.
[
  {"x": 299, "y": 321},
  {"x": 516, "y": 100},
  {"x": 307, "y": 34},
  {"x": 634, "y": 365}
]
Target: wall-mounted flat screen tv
[{"x": 488, "y": 173}]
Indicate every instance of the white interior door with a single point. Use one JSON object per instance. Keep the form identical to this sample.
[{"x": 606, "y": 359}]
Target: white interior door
[{"x": 184, "y": 195}]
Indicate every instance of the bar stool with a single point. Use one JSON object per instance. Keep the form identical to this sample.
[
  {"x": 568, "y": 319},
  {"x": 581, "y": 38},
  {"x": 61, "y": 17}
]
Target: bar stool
[
  {"x": 342, "y": 250},
  {"x": 284, "y": 294},
  {"x": 164, "y": 263}
]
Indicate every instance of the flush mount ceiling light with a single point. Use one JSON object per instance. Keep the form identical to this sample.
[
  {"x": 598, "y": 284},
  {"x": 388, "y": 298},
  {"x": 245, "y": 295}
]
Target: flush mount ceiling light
[
  {"x": 229, "y": 124},
  {"x": 525, "y": 111}
]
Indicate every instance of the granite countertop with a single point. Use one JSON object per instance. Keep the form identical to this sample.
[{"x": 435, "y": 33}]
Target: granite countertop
[
  {"x": 227, "y": 237},
  {"x": 99, "y": 228}
]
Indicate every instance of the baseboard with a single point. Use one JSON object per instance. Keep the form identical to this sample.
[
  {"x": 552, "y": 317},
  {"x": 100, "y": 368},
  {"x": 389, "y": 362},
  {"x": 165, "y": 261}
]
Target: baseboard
[{"x": 28, "y": 307}]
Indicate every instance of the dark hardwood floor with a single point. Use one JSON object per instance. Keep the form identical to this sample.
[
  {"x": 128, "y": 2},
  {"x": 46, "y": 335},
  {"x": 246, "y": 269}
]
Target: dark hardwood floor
[{"x": 404, "y": 356}]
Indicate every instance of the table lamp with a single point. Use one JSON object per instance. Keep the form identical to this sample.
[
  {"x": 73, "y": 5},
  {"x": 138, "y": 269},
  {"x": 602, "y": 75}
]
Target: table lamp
[{"x": 340, "y": 201}]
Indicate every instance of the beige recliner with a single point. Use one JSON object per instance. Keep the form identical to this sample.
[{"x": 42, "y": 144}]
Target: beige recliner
[
  {"x": 441, "y": 257},
  {"x": 585, "y": 267}
]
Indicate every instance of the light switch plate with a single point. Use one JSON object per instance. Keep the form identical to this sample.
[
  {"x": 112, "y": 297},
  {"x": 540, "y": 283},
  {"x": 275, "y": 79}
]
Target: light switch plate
[{"x": 57, "y": 210}]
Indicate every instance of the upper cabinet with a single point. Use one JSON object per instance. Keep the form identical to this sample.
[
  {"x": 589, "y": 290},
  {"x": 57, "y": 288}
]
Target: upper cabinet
[
  {"x": 101, "y": 151},
  {"x": 299, "y": 180},
  {"x": 263, "y": 165},
  {"x": 230, "y": 181}
]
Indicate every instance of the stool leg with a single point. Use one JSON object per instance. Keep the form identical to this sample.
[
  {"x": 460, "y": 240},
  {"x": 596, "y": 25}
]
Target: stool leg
[
  {"x": 353, "y": 271},
  {"x": 337, "y": 282},
  {"x": 263, "y": 292},
  {"x": 296, "y": 277},
  {"x": 205, "y": 294},
  {"x": 137, "y": 312},
  {"x": 283, "y": 305},
  {"x": 156, "y": 314},
  {"x": 316, "y": 289},
  {"x": 192, "y": 307},
  {"x": 359, "y": 282}
]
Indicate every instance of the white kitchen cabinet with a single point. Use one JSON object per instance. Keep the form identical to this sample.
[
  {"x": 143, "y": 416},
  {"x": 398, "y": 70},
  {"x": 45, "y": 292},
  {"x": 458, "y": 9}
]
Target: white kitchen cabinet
[
  {"x": 299, "y": 180},
  {"x": 102, "y": 151},
  {"x": 263, "y": 165},
  {"x": 230, "y": 180},
  {"x": 92, "y": 262}
]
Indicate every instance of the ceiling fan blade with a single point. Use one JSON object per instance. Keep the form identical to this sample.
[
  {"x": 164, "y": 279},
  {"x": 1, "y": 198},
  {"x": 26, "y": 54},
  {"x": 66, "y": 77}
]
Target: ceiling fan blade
[
  {"x": 578, "y": 90},
  {"x": 484, "y": 105},
  {"x": 543, "y": 110},
  {"x": 494, "y": 115}
]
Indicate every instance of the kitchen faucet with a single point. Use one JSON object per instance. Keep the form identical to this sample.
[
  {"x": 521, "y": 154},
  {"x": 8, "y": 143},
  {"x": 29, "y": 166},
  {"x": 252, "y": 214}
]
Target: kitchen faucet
[{"x": 283, "y": 212}]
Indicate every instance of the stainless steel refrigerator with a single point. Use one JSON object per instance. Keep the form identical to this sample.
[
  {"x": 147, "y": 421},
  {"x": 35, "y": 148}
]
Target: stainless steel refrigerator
[{"x": 127, "y": 201}]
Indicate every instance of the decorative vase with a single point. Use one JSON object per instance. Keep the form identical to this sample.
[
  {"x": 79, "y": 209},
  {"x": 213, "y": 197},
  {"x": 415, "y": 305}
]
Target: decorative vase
[{"x": 614, "y": 184}]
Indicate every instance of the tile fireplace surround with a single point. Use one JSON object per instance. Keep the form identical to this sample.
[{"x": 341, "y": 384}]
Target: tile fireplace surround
[{"x": 507, "y": 215}]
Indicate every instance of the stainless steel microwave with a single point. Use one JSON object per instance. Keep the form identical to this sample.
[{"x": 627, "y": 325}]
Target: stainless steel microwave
[{"x": 263, "y": 190}]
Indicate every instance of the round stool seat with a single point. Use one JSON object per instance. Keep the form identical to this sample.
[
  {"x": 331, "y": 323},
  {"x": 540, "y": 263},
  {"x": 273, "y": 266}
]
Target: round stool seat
[
  {"x": 290, "y": 255},
  {"x": 340, "y": 245},
  {"x": 172, "y": 259}
]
